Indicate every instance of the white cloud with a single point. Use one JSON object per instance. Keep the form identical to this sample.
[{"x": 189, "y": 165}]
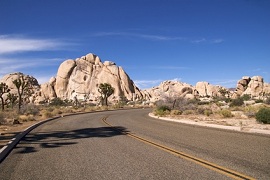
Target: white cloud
[{"x": 13, "y": 44}]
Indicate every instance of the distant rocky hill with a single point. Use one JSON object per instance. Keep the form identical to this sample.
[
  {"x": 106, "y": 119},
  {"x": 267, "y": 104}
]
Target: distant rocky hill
[
  {"x": 253, "y": 86},
  {"x": 80, "y": 78}
]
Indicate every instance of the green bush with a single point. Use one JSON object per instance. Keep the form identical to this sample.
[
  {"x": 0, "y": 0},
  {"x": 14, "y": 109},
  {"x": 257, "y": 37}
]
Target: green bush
[
  {"x": 258, "y": 101},
  {"x": 237, "y": 102},
  {"x": 263, "y": 115},
  {"x": 162, "y": 110},
  {"x": 246, "y": 97},
  {"x": 57, "y": 102}
]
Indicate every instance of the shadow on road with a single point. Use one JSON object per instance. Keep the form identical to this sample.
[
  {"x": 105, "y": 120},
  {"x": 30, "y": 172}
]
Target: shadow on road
[{"x": 62, "y": 138}]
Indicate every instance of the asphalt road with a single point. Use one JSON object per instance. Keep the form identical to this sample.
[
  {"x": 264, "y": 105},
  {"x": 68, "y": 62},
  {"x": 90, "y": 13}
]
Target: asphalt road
[{"x": 84, "y": 147}]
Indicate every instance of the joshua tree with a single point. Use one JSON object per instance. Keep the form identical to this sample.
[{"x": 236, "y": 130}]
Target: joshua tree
[
  {"x": 12, "y": 98},
  {"x": 105, "y": 90},
  {"x": 3, "y": 89},
  {"x": 23, "y": 88}
]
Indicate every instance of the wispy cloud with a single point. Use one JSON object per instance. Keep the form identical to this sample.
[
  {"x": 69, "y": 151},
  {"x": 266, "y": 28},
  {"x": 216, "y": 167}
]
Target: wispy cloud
[
  {"x": 198, "y": 41},
  {"x": 10, "y": 44},
  {"x": 138, "y": 35},
  {"x": 217, "y": 41},
  {"x": 160, "y": 37},
  {"x": 207, "y": 41},
  {"x": 10, "y": 65}
]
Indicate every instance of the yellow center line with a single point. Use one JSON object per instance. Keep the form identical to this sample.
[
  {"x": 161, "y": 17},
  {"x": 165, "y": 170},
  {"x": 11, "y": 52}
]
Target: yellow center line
[{"x": 220, "y": 169}]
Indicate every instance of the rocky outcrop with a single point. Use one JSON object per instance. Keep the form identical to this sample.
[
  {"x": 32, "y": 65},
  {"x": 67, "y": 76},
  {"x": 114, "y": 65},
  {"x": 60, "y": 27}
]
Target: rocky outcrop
[
  {"x": 174, "y": 89},
  {"x": 169, "y": 89},
  {"x": 33, "y": 84},
  {"x": 205, "y": 89},
  {"x": 81, "y": 78},
  {"x": 255, "y": 87}
]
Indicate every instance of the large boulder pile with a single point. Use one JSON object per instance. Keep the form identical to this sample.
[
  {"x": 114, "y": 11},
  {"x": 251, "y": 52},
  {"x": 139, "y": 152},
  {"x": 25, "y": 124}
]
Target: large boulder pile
[
  {"x": 174, "y": 89},
  {"x": 253, "y": 86},
  {"x": 81, "y": 78},
  {"x": 33, "y": 84}
]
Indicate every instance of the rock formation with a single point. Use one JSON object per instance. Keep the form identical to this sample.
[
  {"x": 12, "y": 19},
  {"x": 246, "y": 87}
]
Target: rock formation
[
  {"x": 33, "y": 84},
  {"x": 82, "y": 76},
  {"x": 173, "y": 89},
  {"x": 205, "y": 89},
  {"x": 255, "y": 87}
]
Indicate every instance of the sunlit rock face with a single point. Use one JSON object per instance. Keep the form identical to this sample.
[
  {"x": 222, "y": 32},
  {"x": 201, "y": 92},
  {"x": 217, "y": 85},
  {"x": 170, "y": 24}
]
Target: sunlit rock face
[
  {"x": 253, "y": 86},
  {"x": 82, "y": 76}
]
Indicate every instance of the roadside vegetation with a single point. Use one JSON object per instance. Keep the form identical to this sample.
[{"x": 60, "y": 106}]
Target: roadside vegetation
[
  {"x": 243, "y": 107},
  {"x": 16, "y": 108}
]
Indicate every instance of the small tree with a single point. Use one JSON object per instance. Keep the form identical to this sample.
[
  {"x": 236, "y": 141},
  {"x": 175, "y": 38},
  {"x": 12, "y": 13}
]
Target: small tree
[
  {"x": 3, "y": 89},
  {"x": 106, "y": 90},
  {"x": 23, "y": 87}
]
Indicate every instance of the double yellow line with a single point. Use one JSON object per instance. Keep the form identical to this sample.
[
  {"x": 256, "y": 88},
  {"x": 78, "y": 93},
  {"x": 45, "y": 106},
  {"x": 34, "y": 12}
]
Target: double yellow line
[{"x": 228, "y": 172}]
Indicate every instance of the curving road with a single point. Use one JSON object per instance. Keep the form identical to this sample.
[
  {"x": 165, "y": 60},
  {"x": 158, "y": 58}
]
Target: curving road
[{"x": 85, "y": 147}]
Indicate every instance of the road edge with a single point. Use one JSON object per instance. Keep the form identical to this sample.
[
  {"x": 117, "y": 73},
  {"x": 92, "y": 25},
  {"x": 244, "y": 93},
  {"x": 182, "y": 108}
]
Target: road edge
[
  {"x": 4, "y": 151},
  {"x": 232, "y": 128}
]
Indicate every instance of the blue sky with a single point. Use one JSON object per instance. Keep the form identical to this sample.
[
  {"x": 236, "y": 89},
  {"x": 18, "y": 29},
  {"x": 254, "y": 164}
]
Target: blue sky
[{"x": 217, "y": 41}]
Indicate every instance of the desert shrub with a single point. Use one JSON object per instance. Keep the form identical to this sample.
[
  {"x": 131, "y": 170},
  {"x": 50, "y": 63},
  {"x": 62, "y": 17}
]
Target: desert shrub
[
  {"x": 258, "y": 101},
  {"x": 176, "y": 112},
  {"x": 226, "y": 113},
  {"x": 203, "y": 103},
  {"x": 246, "y": 97},
  {"x": 162, "y": 110},
  {"x": 56, "y": 111},
  {"x": 237, "y": 102},
  {"x": 263, "y": 115},
  {"x": 57, "y": 102},
  {"x": 2, "y": 118},
  {"x": 46, "y": 114},
  {"x": 160, "y": 113},
  {"x": 250, "y": 111},
  {"x": 30, "y": 109},
  {"x": 188, "y": 112},
  {"x": 208, "y": 112},
  {"x": 26, "y": 118}
]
